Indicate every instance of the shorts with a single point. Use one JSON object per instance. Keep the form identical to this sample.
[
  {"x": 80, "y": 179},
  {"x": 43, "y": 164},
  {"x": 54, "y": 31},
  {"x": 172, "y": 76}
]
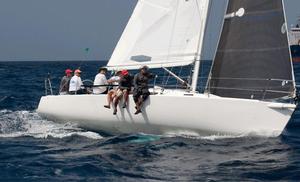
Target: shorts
[
  {"x": 119, "y": 93},
  {"x": 137, "y": 93}
]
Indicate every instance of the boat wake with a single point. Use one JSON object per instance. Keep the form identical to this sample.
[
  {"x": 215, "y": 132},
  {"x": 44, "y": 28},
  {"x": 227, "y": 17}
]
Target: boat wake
[
  {"x": 26, "y": 123},
  {"x": 194, "y": 135}
]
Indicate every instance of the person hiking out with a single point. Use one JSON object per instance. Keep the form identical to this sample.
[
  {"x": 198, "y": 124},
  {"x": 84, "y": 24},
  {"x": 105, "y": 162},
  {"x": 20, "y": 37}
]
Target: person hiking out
[
  {"x": 141, "y": 90},
  {"x": 123, "y": 91}
]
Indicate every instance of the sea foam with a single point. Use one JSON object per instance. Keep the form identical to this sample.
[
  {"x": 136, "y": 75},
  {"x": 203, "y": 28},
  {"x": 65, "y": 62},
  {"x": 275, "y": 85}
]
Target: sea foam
[{"x": 29, "y": 123}]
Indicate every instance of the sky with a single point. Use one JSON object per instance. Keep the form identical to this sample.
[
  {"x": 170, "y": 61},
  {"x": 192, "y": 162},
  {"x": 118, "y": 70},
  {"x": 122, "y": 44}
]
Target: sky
[{"x": 62, "y": 29}]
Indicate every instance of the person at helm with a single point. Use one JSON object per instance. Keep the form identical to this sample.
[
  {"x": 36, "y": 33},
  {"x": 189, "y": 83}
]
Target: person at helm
[
  {"x": 65, "y": 81},
  {"x": 76, "y": 85}
]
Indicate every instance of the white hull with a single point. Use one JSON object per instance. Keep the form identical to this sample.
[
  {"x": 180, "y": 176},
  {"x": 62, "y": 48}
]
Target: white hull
[{"x": 170, "y": 113}]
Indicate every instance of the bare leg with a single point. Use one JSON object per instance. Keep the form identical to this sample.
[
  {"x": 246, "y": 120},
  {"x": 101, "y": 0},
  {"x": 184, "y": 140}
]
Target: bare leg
[
  {"x": 109, "y": 99},
  {"x": 125, "y": 92},
  {"x": 116, "y": 102}
]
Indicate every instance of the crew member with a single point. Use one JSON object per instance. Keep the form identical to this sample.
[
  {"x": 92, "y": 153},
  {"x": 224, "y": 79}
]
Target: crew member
[
  {"x": 112, "y": 93},
  {"x": 141, "y": 90},
  {"x": 76, "y": 85},
  {"x": 65, "y": 82},
  {"x": 100, "y": 82},
  {"x": 123, "y": 90}
]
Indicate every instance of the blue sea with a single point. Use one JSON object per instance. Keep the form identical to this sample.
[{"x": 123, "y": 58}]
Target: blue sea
[{"x": 34, "y": 149}]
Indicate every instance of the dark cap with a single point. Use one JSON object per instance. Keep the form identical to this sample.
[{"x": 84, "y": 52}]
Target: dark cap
[
  {"x": 102, "y": 69},
  {"x": 146, "y": 68}
]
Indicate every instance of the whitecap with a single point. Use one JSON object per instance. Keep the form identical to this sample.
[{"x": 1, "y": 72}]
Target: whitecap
[
  {"x": 26, "y": 123},
  {"x": 213, "y": 137},
  {"x": 182, "y": 133},
  {"x": 222, "y": 137}
]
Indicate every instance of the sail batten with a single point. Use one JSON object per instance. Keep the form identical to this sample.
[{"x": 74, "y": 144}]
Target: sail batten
[
  {"x": 253, "y": 50},
  {"x": 161, "y": 64},
  {"x": 253, "y": 45},
  {"x": 161, "y": 34}
]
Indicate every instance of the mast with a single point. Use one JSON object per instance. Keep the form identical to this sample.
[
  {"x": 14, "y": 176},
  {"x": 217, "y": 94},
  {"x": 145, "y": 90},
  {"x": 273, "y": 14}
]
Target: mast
[{"x": 204, "y": 11}]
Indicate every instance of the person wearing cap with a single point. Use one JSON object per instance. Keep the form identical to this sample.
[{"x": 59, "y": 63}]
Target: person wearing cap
[
  {"x": 123, "y": 90},
  {"x": 141, "y": 90},
  {"x": 100, "y": 82},
  {"x": 65, "y": 81},
  {"x": 112, "y": 93},
  {"x": 76, "y": 83}
]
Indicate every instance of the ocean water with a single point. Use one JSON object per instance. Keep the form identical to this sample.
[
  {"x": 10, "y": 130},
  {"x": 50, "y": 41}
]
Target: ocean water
[{"x": 33, "y": 149}]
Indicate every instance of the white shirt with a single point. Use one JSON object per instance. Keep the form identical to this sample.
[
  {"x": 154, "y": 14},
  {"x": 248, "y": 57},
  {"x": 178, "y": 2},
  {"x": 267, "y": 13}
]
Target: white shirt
[
  {"x": 116, "y": 80},
  {"x": 75, "y": 83},
  {"x": 100, "y": 79}
]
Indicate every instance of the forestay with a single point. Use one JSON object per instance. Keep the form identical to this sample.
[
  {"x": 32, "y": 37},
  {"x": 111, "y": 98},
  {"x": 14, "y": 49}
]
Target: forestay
[
  {"x": 161, "y": 33},
  {"x": 253, "y": 57}
]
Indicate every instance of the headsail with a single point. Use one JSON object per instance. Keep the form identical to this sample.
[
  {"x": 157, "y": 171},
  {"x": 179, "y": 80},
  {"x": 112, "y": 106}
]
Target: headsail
[
  {"x": 161, "y": 33},
  {"x": 253, "y": 56}
]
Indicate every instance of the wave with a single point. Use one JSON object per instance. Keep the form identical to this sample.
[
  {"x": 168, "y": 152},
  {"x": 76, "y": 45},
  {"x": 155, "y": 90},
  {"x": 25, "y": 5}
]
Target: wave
[
  {"x": 213, "y": 137},
  {"x": 27, "y": 123},
  {"x": 3, "y": 98}
]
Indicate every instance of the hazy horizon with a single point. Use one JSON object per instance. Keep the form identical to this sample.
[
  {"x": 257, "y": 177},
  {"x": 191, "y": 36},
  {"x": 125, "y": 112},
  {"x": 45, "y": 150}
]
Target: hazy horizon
[{"x": 61, "y": 30}]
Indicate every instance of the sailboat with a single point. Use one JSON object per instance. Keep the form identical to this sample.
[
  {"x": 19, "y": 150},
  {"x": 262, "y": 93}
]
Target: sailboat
[{"x": 251, "y": 84}]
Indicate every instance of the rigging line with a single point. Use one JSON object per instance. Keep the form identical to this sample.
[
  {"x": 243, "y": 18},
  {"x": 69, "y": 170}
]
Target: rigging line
[
  {"x": 169, "y": 76},
  {"x": 179, "y": 74},
  {"x": 176, "y": 77},
  {"x": 86, "y": 50},
  {"x": 201, "y": 74},
  {"x": 164, "y": 78}
]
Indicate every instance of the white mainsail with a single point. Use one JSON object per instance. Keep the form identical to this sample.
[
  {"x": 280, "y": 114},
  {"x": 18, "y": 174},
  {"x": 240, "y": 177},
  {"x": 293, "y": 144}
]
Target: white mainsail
[{"x": 161, "y": 33}]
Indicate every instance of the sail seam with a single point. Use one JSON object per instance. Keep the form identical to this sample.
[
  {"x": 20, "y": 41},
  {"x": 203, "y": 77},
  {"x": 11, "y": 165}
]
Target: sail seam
[
  {"x": 253, "y": 50},
  {"x": 250, "y": 79}
]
